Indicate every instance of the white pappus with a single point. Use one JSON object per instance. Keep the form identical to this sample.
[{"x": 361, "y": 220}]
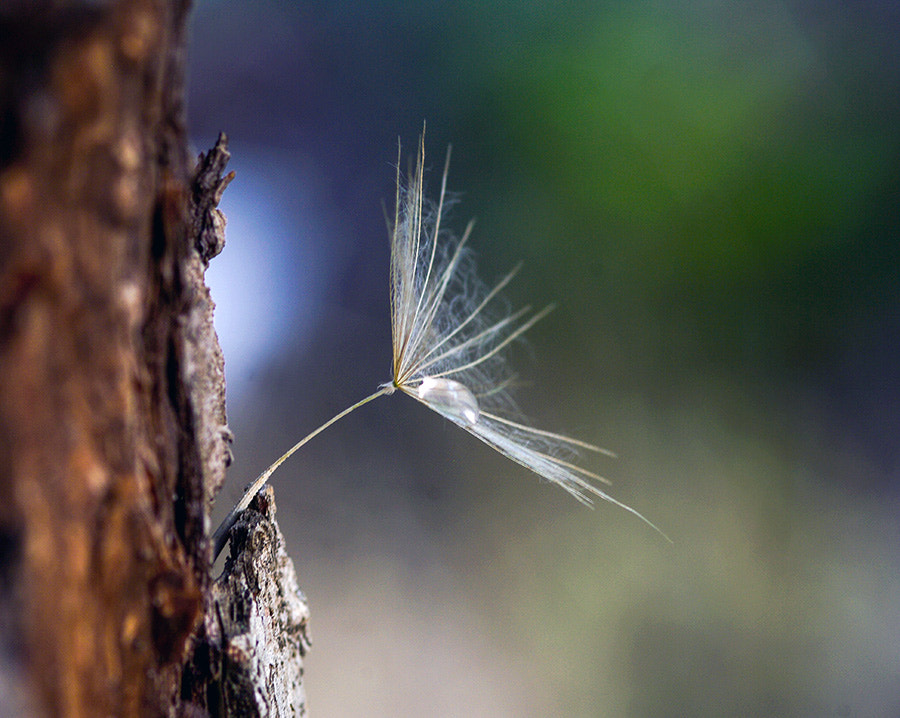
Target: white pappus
[{"x": 448, "y": 332}]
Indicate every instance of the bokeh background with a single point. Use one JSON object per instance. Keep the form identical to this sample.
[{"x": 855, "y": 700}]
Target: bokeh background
[{"x": 709, "y": 191}]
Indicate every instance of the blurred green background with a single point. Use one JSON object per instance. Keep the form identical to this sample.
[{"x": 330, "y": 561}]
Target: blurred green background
[{"x": 709, "y": 191}]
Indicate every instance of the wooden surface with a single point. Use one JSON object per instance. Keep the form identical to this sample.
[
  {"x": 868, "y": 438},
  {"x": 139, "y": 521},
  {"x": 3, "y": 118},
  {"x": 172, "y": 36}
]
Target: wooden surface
[{"x": 113, "y": 439}]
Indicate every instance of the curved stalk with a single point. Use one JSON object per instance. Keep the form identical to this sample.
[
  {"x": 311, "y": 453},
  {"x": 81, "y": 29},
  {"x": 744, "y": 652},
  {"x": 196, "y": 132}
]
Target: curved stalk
[{"x": 221, "y": 534}]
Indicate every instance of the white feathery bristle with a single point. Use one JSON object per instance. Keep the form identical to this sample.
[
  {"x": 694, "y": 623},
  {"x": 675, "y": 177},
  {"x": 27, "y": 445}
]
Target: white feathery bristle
[{"x": 449, "y": 334}]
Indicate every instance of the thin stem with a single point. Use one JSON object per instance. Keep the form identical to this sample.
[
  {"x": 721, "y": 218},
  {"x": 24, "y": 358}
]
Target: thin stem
[{"x": 221, "y": 534}]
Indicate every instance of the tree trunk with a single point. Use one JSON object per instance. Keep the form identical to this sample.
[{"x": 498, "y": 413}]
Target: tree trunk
[{"x": 113, "y": 440}]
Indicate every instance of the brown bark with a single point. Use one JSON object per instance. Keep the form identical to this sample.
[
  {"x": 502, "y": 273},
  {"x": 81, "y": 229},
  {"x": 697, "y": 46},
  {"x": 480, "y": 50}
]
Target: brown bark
[{"x": 112, "y": 426}]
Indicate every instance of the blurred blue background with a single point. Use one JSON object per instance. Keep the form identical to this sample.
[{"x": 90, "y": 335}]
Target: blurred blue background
[{"x": 709, "y": 191}]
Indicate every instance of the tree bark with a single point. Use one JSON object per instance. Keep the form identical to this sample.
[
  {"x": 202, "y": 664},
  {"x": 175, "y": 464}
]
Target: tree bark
[
  {"x": 249, "y": 657},
  {"x": 113, "y": 439}
]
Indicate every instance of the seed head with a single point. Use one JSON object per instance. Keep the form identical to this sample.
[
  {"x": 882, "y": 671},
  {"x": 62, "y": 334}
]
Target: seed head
[{"x": 449, "y": 334}]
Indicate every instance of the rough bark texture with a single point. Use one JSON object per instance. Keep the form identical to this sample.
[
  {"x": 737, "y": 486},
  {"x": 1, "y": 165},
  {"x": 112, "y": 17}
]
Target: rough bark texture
[
  {"x": 112, "y": 421},
  {"x": 255, "y": 628}
]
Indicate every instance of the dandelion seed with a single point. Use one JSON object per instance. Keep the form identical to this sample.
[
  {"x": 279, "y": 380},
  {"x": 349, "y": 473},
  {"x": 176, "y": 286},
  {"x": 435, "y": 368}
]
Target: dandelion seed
[{"x": 449, "y": 333}]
